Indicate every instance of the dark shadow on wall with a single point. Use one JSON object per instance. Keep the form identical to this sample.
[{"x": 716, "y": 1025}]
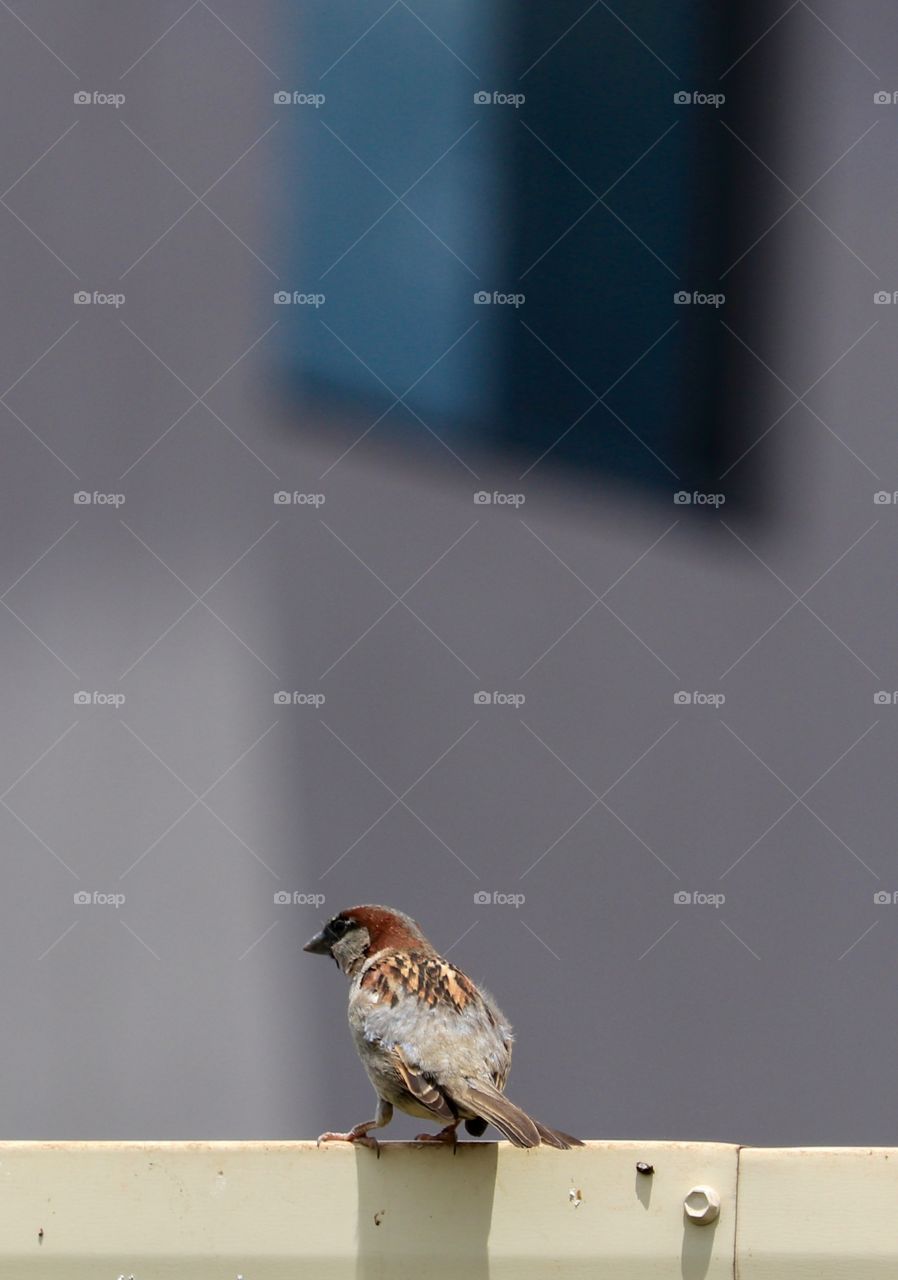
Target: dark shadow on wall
[{"x": 562, "y": 285}]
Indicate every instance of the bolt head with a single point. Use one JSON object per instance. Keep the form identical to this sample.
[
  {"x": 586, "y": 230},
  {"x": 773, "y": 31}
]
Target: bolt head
[{"x": 702, "y": 1205}]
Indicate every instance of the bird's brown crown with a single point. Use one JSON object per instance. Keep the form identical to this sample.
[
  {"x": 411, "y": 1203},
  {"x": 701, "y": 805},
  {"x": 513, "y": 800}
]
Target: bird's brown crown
[{"x": 389, "y": 929}]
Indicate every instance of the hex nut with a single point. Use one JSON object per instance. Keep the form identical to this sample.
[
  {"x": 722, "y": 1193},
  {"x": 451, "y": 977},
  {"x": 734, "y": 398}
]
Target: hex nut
[{"x": 702, "y": 1205}]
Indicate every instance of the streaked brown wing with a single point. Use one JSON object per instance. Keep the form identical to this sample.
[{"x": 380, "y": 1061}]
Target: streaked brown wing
[
  {"x": 433, "y": 980},
  {"x": 421, "y": 1089}
]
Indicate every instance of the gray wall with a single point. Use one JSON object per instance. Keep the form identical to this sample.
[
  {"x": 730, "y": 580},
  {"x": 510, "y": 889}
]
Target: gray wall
[{"x": 189, "y": 1010}]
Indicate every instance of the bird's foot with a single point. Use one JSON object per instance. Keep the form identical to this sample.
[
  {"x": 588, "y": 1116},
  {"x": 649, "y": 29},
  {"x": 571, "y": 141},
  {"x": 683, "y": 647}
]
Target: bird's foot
[
  {"x": 447, "y": 1136},
  {"x": 358, "y": 1136}
]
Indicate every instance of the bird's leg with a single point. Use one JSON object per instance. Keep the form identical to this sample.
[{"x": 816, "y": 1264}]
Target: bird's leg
[
  {"x": 359, "y": 1132},
  {"x": 446, "y": 1135}
]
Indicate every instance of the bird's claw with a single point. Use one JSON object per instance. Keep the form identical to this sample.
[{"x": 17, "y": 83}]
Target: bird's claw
[
  {"x": 363, "y": 1139},
  {"x": 445, "y": 1137}
]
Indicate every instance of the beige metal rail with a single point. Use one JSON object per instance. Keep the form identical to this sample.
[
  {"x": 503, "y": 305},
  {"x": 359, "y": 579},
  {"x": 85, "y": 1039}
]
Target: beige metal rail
[{"x": 281, "y": 1210}]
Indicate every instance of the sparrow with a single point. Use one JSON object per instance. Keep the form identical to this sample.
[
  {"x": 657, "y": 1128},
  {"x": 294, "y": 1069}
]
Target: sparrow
[{"x": 433, "y": 1044}]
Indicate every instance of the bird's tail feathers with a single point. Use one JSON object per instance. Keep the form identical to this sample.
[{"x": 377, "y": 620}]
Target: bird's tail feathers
[
  {"x": 520, "y": 1130},
  {"x": 557, "y": 1137},
  {"x": 491, "y": 1105}
]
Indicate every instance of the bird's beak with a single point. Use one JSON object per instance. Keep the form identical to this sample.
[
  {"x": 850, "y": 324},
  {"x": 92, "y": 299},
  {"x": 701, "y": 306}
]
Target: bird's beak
[{"x": 320, "y": 945}]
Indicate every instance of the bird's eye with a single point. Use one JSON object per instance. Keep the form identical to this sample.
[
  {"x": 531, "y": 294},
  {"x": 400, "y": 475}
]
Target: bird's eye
[{"x": 339, "y": 926}]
